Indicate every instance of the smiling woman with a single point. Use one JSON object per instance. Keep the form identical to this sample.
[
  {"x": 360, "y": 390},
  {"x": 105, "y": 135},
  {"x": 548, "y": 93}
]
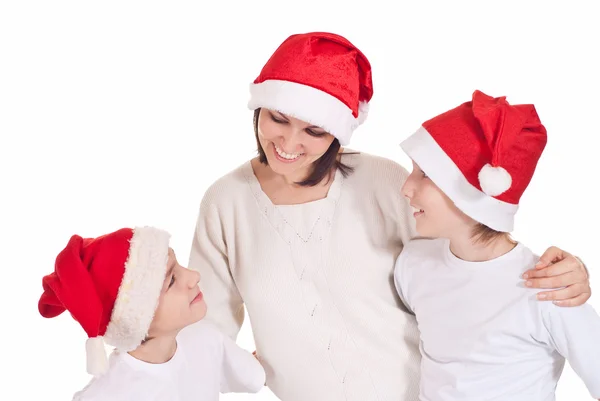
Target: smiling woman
[
  {"x": 305, "y": 236},
  {"x": 282, "y": 140}
]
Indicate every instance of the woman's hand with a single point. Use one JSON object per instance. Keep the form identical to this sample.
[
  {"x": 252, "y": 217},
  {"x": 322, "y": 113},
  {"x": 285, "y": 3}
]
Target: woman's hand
[{"x": 565, "y": 273}]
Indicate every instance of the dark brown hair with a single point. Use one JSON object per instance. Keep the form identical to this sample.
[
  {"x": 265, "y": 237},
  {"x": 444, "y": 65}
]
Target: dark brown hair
[
  {"x": 323, "y": 167},
  {"x": 482, "y": 233}
]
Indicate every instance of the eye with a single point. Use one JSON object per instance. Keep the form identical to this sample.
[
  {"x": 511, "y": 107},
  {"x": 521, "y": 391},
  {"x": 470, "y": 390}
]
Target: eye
[
  {"x": 172, "y": 281},
  {"x": 277, "y": 120},
  {"x": 425, "y": 175},
  {"x": 315, "y": 134}
]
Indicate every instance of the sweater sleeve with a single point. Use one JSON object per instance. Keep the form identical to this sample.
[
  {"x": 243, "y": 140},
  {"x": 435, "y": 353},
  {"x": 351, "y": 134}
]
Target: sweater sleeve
[
  {"x": 575, "y": 333},
  {"x": 241, "y": 372},
  {"x": 405, "y": 211},
  {"x": 390, "y": 181},
  {"x": 209, "y": 257}
]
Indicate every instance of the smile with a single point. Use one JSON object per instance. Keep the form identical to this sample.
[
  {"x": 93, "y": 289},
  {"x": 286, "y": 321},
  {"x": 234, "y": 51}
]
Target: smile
[
  {"x": 417, "y": 212},
  {"x": 288, "y": 157}
]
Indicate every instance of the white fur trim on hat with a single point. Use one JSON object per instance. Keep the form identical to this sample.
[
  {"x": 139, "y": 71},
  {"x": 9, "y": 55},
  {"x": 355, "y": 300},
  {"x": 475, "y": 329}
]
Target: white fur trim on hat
[
  {"x": 308, "y": 104},
  {"x": 140, "y": 288},
  {"x": 494, "y": 181},
  {"x": 363, "y": 111},
  {"x": 432, "y": 159}
]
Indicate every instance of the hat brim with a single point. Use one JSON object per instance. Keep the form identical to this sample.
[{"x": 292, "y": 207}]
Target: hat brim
[
  {"x": 140, "y": 289},
  {"x": 308, "y": 104},
  {"x": 439, "y": 167}
]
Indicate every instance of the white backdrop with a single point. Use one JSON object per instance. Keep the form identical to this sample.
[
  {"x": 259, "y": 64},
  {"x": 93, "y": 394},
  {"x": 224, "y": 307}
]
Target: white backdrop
[{"x": 122, "y": 113}]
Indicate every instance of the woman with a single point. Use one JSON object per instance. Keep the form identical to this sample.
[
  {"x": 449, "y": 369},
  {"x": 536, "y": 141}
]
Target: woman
[{"x": 306, "y": 235}]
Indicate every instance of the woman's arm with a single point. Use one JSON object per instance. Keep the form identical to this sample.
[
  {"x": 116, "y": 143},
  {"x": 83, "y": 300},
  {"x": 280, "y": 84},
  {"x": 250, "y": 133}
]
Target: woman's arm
[{"x": 209, "y": 257}]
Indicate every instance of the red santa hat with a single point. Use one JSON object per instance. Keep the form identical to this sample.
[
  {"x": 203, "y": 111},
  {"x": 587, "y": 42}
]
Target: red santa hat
[
  {"x": 111, "y": 286},
  {"x": 482, "y": 155},
  {"x": 320, "y": 78}
]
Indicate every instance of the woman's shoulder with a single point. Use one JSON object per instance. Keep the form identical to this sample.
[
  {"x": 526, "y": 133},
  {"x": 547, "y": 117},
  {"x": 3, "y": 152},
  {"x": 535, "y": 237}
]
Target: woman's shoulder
[
  {"x": 229, "y": 186},
  {"x": 375, "y": 169}
]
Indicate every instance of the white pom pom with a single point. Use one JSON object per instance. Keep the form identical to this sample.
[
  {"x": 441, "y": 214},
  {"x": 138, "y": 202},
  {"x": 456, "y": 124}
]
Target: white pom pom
[
  {"x": 363, "y": 112},
  {"x": 97, "y": 362},
  {"x": 494, "y": 181}
]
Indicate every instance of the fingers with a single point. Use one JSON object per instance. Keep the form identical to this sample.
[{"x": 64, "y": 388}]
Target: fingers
[
  {"x": 564, "y": 294},
  {"x": 549, "y": 271},
  {"x": 551, "y": 255},
  {"x": 577, "y": 301},
  {"x": 554, "y": 282},
  {"x": 567, "y": 272}
]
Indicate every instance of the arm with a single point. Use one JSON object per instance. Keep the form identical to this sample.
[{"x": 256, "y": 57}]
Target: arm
[
  {"x": 241, "y": 371},
  {"x": 401, "y": 279},
  {"x": 406, "y": 231},
  {"x": 209, "y": 257},
  {"x": 558, "y": 269},
  {"x": 574, "y": 333},
  {"x": 403, "y": 212}
]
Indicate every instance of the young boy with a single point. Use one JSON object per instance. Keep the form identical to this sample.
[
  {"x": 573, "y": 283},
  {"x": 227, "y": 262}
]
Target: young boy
[
  {"x": 127, "y": 290},
  {"x": 483, "y": 335}
]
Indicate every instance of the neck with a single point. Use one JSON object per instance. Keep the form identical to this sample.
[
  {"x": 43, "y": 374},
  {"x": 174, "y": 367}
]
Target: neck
[
  {"x": 158, "y": 349},
  {"x": 286, "y": 182},
  {"x": 292, "y": 179},
  {"x": 465, "y": 248}
]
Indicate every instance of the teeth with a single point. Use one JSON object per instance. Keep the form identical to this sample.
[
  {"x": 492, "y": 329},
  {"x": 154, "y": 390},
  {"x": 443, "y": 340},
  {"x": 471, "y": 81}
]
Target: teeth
[
  {"x": 417, "y": 210},
  {"x": 288, "y": 156}
]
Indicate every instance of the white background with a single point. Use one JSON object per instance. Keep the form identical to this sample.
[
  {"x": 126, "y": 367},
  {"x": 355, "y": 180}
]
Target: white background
[{"x": 118, "y": 114}]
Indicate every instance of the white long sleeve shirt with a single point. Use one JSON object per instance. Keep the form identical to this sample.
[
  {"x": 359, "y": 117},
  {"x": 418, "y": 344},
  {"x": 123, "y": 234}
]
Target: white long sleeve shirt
[
  {"x": 484, "y": 336},
  {"x": 316, "y": 280},
  {"x": 205, "y": 364}
]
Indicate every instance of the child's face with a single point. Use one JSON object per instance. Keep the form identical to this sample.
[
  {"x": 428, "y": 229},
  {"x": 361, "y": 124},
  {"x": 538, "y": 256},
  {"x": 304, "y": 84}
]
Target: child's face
[
  {"x": 435, "y": 214},
  {"x": 181, "y": 303}
]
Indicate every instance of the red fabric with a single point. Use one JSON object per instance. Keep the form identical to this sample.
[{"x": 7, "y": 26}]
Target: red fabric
[
  {"x": 86, "y": 280},
  {"x": 490, "y": 130},
  {"x": 324, "y": 61}
]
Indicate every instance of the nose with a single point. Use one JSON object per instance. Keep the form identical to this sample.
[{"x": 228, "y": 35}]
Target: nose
[
  {"x": 193, "y": 278},
  {"x": 292, "y": 141},
  {"x": 408, "y": 188}
]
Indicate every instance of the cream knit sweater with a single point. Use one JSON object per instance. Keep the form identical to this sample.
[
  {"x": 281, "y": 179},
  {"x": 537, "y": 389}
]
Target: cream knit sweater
[{"x": 316, "y": 280}]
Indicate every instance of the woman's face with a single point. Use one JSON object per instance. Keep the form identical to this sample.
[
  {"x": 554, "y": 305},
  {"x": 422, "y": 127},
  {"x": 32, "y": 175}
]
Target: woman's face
[{"x": 290, "y": 145}]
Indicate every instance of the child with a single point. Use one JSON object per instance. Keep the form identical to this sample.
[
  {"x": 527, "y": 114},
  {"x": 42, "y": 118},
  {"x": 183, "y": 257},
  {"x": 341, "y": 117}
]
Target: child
[
  {"x": 127, "y": 290},
  {"x": 482, "y": 335}
]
